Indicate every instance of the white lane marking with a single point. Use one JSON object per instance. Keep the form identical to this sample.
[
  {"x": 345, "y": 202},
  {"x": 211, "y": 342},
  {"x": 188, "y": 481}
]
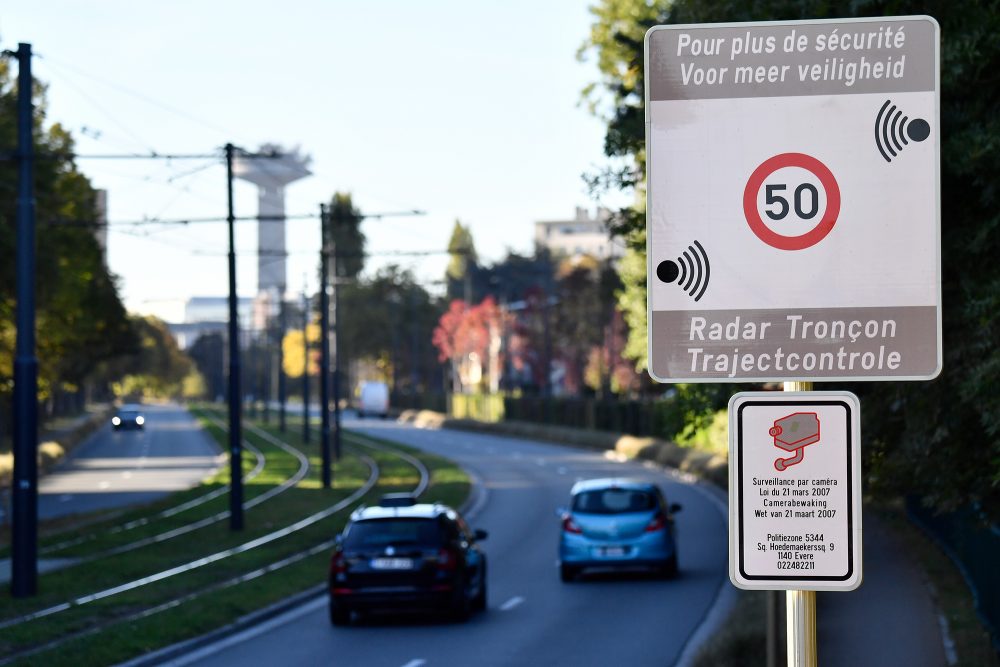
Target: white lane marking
[
  {"x": 127, "y": 475},
  {"x": 417, "y": 662},
  {"x": 541, "y": 462},
  {"x": 511, "y": 603},
  {"x": 255, "y": 631},
  {"x": 104, "y": 485}
]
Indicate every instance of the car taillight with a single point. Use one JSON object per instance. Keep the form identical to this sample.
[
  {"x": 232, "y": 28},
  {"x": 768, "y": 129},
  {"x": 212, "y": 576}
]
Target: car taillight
[
  {"x": 446, "y": 560},
  {"x": 338, "y": 564},
  {"x": 569, "y": 526},
  {"x": 659, "y": 522}
]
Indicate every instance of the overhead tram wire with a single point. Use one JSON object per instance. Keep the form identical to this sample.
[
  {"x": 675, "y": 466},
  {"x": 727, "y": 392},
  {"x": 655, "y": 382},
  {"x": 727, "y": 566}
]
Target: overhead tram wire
[
  {"x": 223, "y": 132},
  {"x": 111, "y": 117}
]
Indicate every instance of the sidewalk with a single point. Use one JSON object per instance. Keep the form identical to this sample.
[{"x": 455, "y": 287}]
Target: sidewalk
[{"x": 890, "y": 620}]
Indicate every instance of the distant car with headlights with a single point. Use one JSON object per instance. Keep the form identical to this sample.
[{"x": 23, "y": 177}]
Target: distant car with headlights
[
  {"x": 128, "y": 417},
  {"x": 617, "y": 523},
  {"x": 404, "y": 555}
]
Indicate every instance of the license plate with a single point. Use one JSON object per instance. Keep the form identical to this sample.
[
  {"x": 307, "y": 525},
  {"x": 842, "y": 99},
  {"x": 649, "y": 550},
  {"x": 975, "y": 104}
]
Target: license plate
[
  {"x": 392, "y": 563},
  {"x": 611, "y": 552}
]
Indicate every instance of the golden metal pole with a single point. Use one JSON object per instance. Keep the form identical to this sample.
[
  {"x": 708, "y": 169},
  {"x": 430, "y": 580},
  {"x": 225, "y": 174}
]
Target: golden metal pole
[{"x": 800, "y": 605}]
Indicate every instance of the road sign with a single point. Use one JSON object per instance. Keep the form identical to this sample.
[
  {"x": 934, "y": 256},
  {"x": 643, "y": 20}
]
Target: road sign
[
  {"x": 793, "y": 211},
  {"x": 795, "y": 491}
]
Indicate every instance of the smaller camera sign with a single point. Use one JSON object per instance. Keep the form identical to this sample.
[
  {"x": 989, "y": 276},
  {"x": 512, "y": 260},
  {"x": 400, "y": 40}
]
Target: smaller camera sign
[{"x": 795, "y": 491}]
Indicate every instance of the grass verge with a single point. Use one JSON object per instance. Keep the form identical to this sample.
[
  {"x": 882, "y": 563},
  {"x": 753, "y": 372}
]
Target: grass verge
[{"x": 110, "y": 630}]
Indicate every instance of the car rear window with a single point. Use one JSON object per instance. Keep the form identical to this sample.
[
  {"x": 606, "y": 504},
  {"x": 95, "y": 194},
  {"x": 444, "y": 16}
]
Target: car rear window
[
  {"x": 613, "y": 501},
  {"x": 385, "y": 532}
]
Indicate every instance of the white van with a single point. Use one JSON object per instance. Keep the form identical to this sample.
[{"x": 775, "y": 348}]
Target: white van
[{"x": 374, "y": 400}]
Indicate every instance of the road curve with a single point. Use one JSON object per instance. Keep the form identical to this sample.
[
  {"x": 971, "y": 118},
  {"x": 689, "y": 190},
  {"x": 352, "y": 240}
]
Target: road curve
[{"x": 533, "y": 618}]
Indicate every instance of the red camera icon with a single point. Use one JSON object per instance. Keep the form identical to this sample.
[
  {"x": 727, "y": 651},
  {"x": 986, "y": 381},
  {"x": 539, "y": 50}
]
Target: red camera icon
[{"x": 792, "y": 433}]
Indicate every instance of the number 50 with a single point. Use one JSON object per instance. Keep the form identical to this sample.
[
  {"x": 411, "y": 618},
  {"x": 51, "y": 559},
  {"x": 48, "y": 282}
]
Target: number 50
[{"x": 771, "y": 198}]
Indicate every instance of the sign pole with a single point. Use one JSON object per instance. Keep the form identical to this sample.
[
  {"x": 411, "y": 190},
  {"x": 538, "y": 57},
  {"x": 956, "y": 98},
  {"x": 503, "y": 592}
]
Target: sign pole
[{"x": 800, "y": 614}]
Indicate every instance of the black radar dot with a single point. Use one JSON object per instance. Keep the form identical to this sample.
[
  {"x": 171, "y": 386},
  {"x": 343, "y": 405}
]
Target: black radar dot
[
  {"x": 918, "y": 129},
  {"x": 667, "y": 271}
]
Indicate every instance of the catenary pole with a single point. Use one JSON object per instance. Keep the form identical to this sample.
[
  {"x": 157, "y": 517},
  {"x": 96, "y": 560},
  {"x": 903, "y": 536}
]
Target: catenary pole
[
  {"x": 336, "y": 351},
  {"x": 282, "y": 385},
  {"x": 305, "y": 365},
  {"x": 24, "y": 552},
  {"x": 235, "y": 388},
  {"x": 324, "y": 346}
]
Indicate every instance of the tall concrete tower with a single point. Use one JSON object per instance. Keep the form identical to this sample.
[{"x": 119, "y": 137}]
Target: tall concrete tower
[{"x": 271, "y": 175}]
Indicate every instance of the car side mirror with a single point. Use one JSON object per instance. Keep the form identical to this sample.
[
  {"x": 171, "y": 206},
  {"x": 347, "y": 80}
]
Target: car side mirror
[
  {"x": 338, "y": 541},
  {"x": 675, "y": 507},
  {"x": 480, "y": 534},
  {"x": 561, "y": 512}
]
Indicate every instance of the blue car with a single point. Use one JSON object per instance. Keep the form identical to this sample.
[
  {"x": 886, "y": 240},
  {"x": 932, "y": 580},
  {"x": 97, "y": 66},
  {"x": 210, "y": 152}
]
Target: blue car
[{"x": 617, "y": 523}]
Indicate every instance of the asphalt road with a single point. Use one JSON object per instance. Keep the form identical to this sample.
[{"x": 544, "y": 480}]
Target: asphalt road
[
  {"x": 533, "y": 618},
  {"x": 117, "y": 468}
]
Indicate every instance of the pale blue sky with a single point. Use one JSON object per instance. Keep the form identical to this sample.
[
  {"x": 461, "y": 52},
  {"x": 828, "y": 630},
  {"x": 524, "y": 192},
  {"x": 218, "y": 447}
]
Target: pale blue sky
[{"x": 467, "y": 110}]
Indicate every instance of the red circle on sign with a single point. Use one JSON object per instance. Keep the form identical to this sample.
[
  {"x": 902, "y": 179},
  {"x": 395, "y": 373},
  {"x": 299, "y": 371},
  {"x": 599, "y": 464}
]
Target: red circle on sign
[{"x": 814, "y": 235}]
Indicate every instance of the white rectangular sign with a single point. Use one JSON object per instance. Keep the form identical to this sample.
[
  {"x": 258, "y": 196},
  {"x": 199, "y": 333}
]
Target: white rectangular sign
[
  {"x": 793, "y": 200},
  {"x": 795, "y": 491}
]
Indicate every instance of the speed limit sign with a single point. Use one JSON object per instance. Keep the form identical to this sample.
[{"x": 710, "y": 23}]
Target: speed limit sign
[
  {"x": 793, "y": 207},
  {"x": 771, "y": 179}
]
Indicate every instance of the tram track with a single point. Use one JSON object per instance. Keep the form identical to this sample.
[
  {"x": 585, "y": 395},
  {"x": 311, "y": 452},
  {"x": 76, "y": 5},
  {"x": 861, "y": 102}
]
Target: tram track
[{"x": 354, "y": 441}]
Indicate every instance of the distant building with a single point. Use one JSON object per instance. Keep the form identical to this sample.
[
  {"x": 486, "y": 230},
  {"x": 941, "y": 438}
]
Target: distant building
[
  {"x": 216, "y": 309},
  {"x": 209, "y": 314},
  {"x": 581, "y": 235}
]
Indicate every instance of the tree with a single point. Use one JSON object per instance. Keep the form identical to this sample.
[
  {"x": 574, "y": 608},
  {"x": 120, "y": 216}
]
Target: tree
[
  {"x": 345, "y": 233},
  {"x": 208, "y": 354},
  {"x": 157, "y": 368},
  {"x": 81, "y": 322},
  {"x": 386, "y": 323},
  {"x": 467, "y": 337},
  {"x": 463, "y": 263},
  {"x": 294, "y": 351},
  {"x": 918, "y": 435}
]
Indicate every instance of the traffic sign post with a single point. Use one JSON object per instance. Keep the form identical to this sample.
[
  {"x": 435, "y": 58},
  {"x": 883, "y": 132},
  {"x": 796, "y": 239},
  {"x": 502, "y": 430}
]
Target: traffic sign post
[
  {"x": 795, "y": 491},
  {"x": 793, "y": 206},
  {"x": 793, "y": 234}
]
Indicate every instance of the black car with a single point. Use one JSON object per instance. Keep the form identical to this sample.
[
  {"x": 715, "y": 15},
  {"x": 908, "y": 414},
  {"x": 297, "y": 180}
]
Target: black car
[
  {"x": 128, "y": 416},
  {"x": 402, "y": 555}
]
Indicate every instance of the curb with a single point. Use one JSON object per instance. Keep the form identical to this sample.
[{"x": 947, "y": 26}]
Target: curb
[{"x": 175, "y": 651}]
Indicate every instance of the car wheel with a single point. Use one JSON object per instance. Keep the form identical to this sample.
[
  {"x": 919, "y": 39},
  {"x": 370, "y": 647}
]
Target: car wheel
[
  {"x": 568, "y": 572},
  {"x": 479, "y": 602},
  {"x": 461, "y": 607},
  {"x": 669, "y": 568},
  {"x": 339, "y": 614}
]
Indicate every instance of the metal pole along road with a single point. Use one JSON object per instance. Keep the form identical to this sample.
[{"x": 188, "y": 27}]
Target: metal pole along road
[
  {"x": 336, "y": 352},
  {"x": 305, "y": 365},
  {"x": 801, "y": 605},
  {"x": 235, "y": 388},
  {"x": 24, "y": 551},
  {"x": 282, "y": 386},
  {"x": 324, "y": 346}
]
